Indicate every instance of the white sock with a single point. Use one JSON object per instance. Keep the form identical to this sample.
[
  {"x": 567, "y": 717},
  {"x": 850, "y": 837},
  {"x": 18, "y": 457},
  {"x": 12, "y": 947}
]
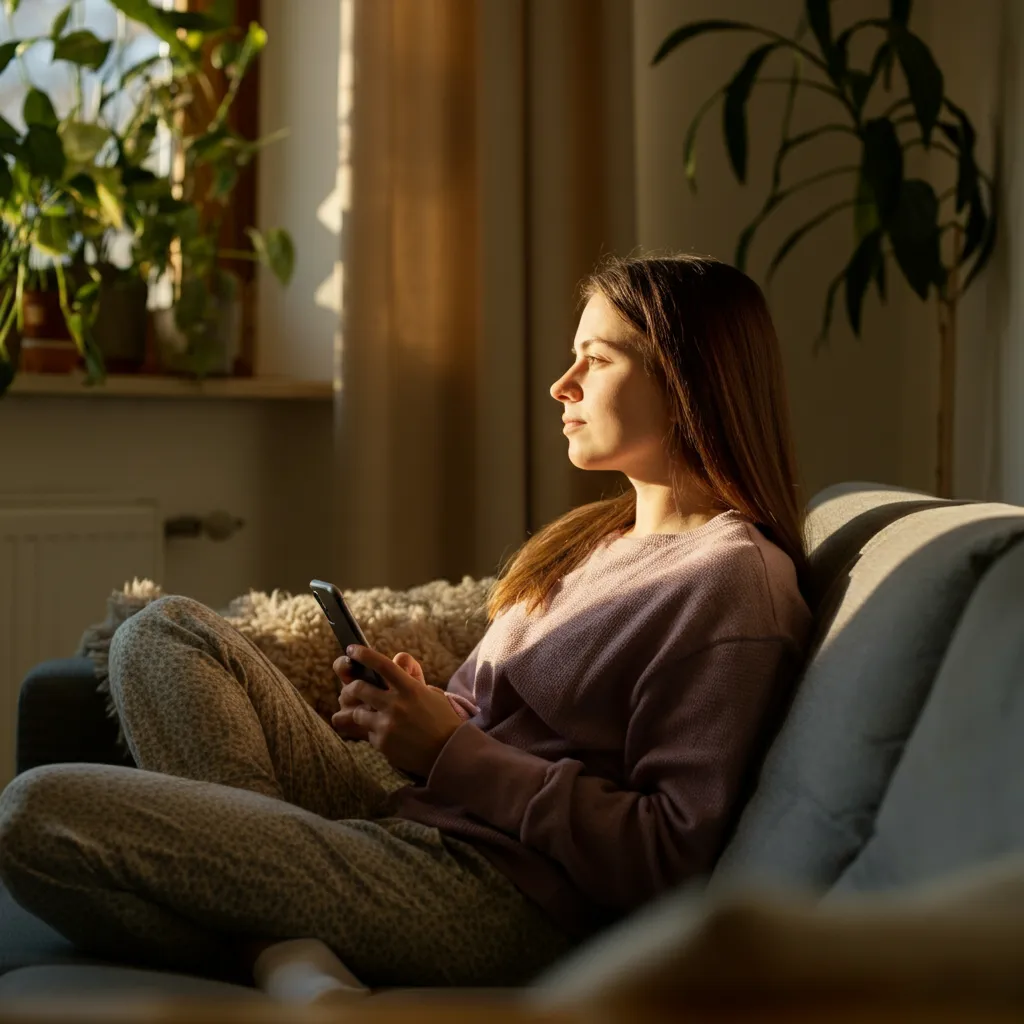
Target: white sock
[{"x": 305, "y": 971}]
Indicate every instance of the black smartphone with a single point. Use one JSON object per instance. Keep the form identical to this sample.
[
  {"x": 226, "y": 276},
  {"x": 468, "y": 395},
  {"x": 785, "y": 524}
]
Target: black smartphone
[{"x": 345, "y": 627}]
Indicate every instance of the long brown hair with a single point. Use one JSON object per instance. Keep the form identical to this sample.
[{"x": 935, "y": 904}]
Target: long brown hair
[{"x": 704, "y": 331}]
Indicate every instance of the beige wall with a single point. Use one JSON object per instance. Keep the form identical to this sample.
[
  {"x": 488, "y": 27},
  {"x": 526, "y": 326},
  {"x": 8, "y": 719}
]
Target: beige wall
[
  {"x": 861, "y": 409},
  {"x": 300, "y": 184}
]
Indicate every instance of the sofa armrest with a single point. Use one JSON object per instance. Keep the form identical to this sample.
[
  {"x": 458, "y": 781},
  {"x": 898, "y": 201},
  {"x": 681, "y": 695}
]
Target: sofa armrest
[{"x": 61, "y": 717}]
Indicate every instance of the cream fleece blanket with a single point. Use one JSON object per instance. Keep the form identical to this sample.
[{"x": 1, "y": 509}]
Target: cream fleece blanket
[{"x": 438, "y": 623}]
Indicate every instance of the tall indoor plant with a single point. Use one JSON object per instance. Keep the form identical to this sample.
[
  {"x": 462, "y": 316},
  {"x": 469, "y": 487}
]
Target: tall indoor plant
[{"x": 939, "y": 241}]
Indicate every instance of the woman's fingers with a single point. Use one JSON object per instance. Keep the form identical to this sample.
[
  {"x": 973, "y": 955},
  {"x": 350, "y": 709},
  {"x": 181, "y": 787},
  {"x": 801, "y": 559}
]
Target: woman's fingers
[{"x": 408, "y": 663}]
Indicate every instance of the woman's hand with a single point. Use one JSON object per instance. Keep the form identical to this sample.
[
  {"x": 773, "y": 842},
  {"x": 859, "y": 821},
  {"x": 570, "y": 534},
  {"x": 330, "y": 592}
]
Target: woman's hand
[{"x": 409, "y": 723}]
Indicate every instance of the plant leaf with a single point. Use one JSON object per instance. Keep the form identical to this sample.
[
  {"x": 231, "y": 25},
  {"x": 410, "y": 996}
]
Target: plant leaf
[
  {"x": 880, "y": 275},
  {"x": 865, "y": 210},
  {"x": 858, "y": 275},
  {"x": 275, "y": 250},
  {"x": 819, "y": 17},
  {"x": 194, "y": 21},
  {"x": 53, "y": 235},
  {"x": 82, "y": 142},
  {"x": 157, "y": 21},
  {"x": 38, "y": 110},
  {"x": 7, "y": 130},
  {"x": 6, "y": 182},
  {"x": 899, "y": 11},
  {"x": 734, "y": 111},
  {"x": 44, "y": 154},
  {"x": 974, "y": 231},
  {"x": 914, "y": 231},
  {"x": 690, "y": 140},
  {"x": 882, "y": 164},
  {"x": 924, "y": 79},
  {"x": 830, "y": 301},
  {"x": 793, "y": 239},
  {"x": 60, "y": 22},
  {"x": 82, "y": 48},
  {"x": 963, "y": 137},
  {"x": 110, "y": 205},
  {"x": 137, "y": 69},
  {"x": 697, "y": 28},
  {"x": 7, "y": 52}
]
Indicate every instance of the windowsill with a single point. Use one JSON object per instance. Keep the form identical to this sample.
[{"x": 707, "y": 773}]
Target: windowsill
[{"x": 72, "y": 385}]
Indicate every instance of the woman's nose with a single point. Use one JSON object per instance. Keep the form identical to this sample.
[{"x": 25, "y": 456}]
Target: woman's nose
[{"x": 564, "y": 386}]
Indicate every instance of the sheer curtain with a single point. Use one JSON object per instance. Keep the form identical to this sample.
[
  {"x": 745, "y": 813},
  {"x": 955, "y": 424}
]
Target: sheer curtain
[{"x": 491, "y": 166}]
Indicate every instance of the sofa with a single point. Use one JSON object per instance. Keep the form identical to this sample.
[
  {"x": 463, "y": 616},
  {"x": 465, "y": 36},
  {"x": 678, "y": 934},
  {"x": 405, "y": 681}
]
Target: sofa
[{"x": 898, "y": 760}]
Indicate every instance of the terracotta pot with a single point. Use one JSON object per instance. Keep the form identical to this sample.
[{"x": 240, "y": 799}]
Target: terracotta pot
[{"x": 46, "y": 343}]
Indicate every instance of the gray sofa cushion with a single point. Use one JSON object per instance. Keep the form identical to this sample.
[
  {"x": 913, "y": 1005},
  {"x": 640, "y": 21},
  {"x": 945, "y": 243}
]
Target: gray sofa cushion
[
  {"x": 883, "y": 628},
  {"x": 25, "y": 940},
  {"x": 957, "y": 795}
]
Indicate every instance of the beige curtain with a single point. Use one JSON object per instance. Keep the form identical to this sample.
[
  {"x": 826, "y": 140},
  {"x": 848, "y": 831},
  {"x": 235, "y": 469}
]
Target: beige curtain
[{"x": 491, "y": 166}]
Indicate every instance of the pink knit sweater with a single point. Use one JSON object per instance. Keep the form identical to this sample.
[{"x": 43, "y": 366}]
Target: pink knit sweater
[{"x": 612, "y": 735}]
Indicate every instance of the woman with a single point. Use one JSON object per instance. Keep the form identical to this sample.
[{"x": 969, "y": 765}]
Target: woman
[{"x": 591, "y": 752}]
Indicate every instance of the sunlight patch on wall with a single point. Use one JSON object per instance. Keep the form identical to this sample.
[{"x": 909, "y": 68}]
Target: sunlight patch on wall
[{"x": 332, "y": 210}]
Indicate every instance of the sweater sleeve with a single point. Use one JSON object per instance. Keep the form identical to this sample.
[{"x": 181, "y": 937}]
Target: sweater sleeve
[
  {"x": 459, "y": 689},
  {"x": 694, "y": 726}
]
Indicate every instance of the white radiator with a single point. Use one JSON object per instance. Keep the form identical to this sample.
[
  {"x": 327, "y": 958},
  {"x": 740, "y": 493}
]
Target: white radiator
[{"x": 59, "y": 560}]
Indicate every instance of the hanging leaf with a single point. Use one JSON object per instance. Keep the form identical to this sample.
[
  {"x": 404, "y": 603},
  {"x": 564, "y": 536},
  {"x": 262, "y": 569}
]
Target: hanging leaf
[
  {"x": 276, "y": 251},
  {"x": 865, "y": 211},
  {"x": 7, "y": 53},
  {"x": 38, "y": 110},
  {"x": 138, "y": 69},
  {"x": 7, "y": 130},
  {"x": 54, "y": 235},
  {"x": 60, "y": 22},
  {"x": 82, "y": 142},
  {"x": 819, "y": 17},
  {"x": 690, "y": 140},
  {"x": 962, "y": 135},
  {"x": 914, "y": 230},
  {"x": 880, "y": 275},
  {"x": 194, "y": 21},
  {"x": 82, "y": 48},
  {"x": 6, "y": 182},
  {"x": 698, "y": 28},
  {"x": 924, "y": 79},
  {"x": 899, "y": 11},
  {"x": 858, "y": 275},
  {"x": 882, "y": 164},
  {"x": 977, "y": 222},
  {"x": 159, "y": 24},
  {"x": 734, "y": 111},
  {"x": 44, "y": 154},
  {"x": 830, "y": 301}
]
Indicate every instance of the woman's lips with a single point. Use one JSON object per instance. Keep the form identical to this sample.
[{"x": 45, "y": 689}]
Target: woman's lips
[{"x": 572, "y": 425}]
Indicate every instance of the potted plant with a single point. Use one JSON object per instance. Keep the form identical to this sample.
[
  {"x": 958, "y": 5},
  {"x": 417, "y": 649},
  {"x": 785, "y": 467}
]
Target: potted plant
[
  {"x": 69, "y": 183},
  {"x": 938, "y": 238},
  {"x": 198, "y": 330},
  {"x": 51, "y": 206}
]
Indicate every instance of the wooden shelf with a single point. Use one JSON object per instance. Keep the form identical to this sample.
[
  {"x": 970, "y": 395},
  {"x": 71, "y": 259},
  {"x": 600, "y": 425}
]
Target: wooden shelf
[{"x": 72, "y": 385}]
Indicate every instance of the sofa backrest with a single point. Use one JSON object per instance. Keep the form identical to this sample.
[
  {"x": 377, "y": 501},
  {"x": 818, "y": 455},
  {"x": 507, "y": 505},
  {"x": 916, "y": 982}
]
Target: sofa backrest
[{"x": 892, "y": 575}]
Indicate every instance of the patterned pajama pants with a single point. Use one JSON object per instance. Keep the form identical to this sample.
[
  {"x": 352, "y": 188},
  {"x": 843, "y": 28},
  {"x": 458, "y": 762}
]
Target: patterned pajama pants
[{"x": 249, "y": 818}]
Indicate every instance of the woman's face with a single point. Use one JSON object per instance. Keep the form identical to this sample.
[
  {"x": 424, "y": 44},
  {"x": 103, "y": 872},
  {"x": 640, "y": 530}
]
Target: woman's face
[{"x": 623, "y": 410}]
